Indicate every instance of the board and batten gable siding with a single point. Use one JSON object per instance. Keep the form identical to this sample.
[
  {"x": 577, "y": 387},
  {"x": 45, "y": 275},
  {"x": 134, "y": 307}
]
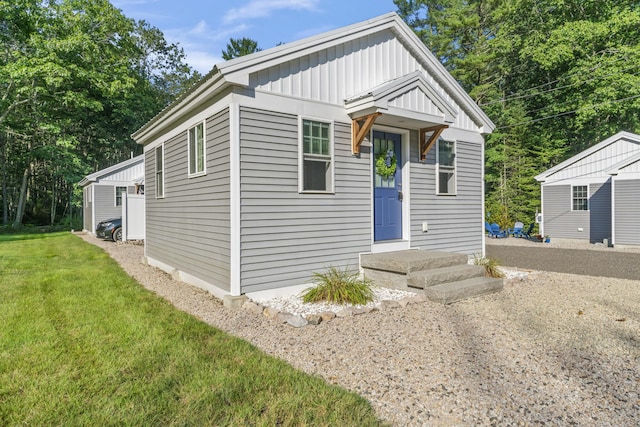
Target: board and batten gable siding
[
  {"x": 342, "y": 71},
  {"x": 599, "y": 212},
  {"x": 127, "y": 174},
  {"x": 593, "y": 164},
  {"x": 189, "y": 228},
  {"x": 104, "y": 198},
  {"x": 559, "y": 220},
  {"x": 454, "y": 221},
  {"x": 285, "y": 236},
  {"x": 627, "y": 212}
]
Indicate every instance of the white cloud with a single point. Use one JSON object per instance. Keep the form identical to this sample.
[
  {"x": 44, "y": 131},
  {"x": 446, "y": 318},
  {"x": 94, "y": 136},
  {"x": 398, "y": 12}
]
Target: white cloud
[
  {"x": 263, "y": 8},
  {"x": 202, "y": 61}
]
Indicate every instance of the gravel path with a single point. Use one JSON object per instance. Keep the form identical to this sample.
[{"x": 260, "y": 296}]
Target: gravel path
[
  {"x": 552, "y": 349},
  {"x": 539, "y": 256}
]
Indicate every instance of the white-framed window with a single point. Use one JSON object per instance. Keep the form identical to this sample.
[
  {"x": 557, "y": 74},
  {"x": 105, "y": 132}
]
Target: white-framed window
[
  {"x": 160, "y": 171},
  {"x": 197, "y": 150},
  {"x": 316, "y": 156},
  {"x": 446, "y": 161},
  {"x": 119, "y": 192},
  {"x": 580, "y": 198}
]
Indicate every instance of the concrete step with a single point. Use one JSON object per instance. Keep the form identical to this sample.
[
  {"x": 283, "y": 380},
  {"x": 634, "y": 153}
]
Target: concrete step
[
  {"x": 446, "y": 293},
  {"x": 426, "y": 278},
  {"x": 405, "y": 262}
]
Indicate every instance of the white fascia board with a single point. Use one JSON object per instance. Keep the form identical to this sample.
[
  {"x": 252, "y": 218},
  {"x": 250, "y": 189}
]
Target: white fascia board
[
  {"x": 94, "y": 177},
  {"x": 578, "y": 181},
  {"x": 181, "y": 107},
  {"x": 581, "y": 155},
  {"x": 619, "y": 167}
]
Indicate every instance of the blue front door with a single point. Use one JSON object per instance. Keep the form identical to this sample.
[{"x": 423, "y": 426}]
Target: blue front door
[{"x": 387, "y": 186}]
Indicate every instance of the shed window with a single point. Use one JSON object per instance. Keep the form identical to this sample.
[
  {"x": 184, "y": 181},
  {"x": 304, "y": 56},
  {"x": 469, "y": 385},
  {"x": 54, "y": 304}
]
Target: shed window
[
  {"x": 317, "y": 157},
  {"x": 197, "y": 151},
  {"x": 446, "y": 159},
  {"x": 580, "y": 198},
  {"x": 160, "y": 171},
  {"x": 119, "y": 192}
]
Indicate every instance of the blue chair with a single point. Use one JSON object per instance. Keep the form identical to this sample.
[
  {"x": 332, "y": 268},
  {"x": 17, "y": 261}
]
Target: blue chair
[
  {"x": 527, "y": 234},
  {"x": 516, "y": 231},
  {"x": 493, "y": 230}
]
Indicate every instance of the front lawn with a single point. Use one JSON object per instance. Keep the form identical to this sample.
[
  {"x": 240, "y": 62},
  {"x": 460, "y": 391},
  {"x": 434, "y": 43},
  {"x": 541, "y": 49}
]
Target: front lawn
[{"x": 82, "y": 343}]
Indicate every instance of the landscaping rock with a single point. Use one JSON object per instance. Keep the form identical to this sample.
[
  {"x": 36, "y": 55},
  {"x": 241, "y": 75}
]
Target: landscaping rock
[
  {"x": 313, "y": 319},
  {"x": 271, "y": 312},
  {"x": 344, "y": 312},
  {"x": 327, "y": 315},
  {"x": 297, "y": 321},
  {"x": 252, "y": 307},
  {"x": 283, "y": 317}
]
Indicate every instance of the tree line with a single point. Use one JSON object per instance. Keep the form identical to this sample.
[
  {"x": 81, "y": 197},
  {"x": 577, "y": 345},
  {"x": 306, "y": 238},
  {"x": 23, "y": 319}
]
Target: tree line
[
  {"x": 555, "y": 76},
  {"x": 77, "y": 77}
]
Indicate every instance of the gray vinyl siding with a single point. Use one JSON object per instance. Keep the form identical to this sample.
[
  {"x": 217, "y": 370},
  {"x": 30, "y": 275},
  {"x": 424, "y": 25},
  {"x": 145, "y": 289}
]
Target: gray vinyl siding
[
  {"x": 559, "y": 220},
  {"x": 599, "y": 212},
  {"x": 87, "y": 208},
  {"x": 627, "y": 212},
  {"x": 285, "y": 236},
  {"x": 104, "y": 198},
  {"x": 189, "y": 229},
  {"x": 454, "y": 221}
]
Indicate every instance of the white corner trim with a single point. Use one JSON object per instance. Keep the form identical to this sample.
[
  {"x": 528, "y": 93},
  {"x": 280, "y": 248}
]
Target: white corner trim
[
  {"x": 613, "y": 212},
  {"x": 482, "y": 193},
  {"x": 234, "y": 194}
]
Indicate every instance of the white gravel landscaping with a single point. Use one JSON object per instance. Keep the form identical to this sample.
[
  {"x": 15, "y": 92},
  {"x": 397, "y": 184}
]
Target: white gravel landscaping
[{"x": 550, "y": 349}]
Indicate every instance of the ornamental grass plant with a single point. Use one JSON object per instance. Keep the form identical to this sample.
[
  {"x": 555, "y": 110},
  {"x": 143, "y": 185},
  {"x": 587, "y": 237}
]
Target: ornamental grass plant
[
  {"x": 490, "y": 265},
  {"x": 339, "y": 286}
]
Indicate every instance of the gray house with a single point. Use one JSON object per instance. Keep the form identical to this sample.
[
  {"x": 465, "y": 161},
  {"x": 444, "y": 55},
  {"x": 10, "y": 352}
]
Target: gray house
[
  {"x": 280, "y": 163},
  {"x": 103, "y": 191},
  {"x": 595, "y": 195}
]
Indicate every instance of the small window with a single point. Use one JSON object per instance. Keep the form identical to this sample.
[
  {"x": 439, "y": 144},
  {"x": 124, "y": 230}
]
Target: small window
[
  {"x": 446, "y": 167},
  {"x": 160, "y": 171},
  {"x": 580, "y": 198},
  {"x": 196, "y": 150},
  {"x": 317, "y": 157},
  {"x": 119, "y": 192}
]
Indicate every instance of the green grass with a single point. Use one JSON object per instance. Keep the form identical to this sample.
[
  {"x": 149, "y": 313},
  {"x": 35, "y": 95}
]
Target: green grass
[{"x": 82, "y": 343}]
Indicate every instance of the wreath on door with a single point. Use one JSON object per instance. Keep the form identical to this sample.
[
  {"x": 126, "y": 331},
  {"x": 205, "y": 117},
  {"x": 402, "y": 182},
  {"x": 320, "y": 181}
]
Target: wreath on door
[{"x": 386, "y": 164}]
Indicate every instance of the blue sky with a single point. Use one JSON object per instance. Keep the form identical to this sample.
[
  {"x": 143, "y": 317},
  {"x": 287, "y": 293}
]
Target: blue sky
[{"x": 203, "y": 27}]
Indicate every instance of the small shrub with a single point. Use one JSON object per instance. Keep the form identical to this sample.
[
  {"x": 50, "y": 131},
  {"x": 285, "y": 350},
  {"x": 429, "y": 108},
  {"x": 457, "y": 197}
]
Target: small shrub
[
  {"x": 339, "y": 286},
  {"x": 490, "y": 266}
]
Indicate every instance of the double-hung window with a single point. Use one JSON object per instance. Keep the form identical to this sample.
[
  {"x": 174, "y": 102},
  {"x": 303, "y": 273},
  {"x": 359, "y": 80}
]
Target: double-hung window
[
  {"x": 317, "y": 157},
  {"x": 580, "y": 198},
  {"x": 197, "y": 150},
  {"x": 446, "y": 167},
  {"x": 160, "y": 171},
  {"x": 119, "y": 192}
]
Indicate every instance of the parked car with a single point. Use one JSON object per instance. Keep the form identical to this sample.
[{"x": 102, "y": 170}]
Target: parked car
[{"x": 110, "y": 229}]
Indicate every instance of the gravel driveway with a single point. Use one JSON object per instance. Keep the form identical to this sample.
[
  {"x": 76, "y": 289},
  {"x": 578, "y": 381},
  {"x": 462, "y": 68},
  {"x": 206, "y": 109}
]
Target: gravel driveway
[{"x": 552, "y": 349}]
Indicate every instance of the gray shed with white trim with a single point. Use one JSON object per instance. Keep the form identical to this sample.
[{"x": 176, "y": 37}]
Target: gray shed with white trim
[
  {"x": 592, "y": 195},
  {"x": 102, "y": 191},
  {"x": 280, "y": 163}
]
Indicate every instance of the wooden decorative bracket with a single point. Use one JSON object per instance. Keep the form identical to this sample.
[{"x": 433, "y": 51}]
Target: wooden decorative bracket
[
  {"x": 360, "y": 128},
  {"x": 426, "y": 144}
]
